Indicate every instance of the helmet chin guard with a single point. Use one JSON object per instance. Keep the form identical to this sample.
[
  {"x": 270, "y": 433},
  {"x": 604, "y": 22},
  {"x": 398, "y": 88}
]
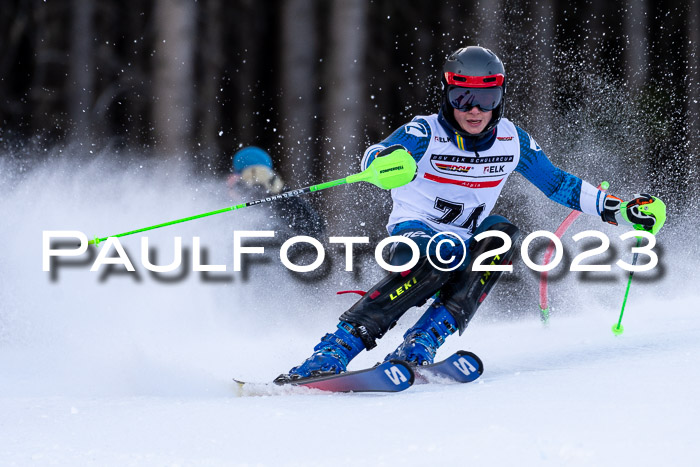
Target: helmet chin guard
[{"x": 476, "y": 68}]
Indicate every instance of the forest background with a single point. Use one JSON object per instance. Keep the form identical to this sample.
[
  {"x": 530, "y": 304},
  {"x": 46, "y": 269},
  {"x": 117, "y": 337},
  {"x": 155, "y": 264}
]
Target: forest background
[{"x": 608, "y": 88}]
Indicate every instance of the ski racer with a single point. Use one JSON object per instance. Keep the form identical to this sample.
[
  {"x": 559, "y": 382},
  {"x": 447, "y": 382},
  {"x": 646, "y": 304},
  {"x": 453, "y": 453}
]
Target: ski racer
[{"x": 464, "y": 154}]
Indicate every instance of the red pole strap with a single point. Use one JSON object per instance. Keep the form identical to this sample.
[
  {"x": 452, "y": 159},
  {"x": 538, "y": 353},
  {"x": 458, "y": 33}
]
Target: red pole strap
[{"x": 544, "y": 305}]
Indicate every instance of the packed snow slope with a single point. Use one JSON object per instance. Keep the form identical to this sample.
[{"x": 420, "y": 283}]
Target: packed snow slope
[{"x": 114, "y": 368}]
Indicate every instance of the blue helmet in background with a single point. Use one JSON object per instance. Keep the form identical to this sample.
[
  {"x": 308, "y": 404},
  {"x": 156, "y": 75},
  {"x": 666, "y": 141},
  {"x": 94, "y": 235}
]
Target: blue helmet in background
[
  {"x": 252, "y": 166},
  {"x": 249, "y": 156}
]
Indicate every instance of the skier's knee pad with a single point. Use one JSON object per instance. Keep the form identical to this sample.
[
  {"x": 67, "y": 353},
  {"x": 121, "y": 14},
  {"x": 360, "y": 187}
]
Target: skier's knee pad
[
  {"x": 381, "y": 307},
  {"x": 467, "y": 289}
]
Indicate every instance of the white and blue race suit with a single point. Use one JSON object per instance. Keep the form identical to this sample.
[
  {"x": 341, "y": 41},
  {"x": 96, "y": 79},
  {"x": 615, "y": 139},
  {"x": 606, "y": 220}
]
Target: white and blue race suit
[{"x": 458, "y": 181}]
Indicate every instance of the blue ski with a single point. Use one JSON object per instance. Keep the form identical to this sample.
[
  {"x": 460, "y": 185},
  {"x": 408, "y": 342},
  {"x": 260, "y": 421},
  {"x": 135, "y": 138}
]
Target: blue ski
[
  {"x": 461, "y": 367},
  {"x": 392, "y": 376}
]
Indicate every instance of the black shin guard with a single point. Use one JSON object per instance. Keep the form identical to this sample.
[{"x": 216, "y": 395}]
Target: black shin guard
[
  {"x": 379, "y": 309},
  {"x": 463, "y": 294}
]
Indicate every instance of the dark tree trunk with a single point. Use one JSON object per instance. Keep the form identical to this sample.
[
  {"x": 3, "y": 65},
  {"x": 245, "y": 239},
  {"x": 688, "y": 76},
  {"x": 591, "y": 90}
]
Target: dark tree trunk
[
  {"x": 299, "y": 84},
  {"x": 174, "y": 75},
  {"x": 212, "y": 59},
  {"x": 343, "y": 116},
  {"x": 636, "y": 54},
  {"x": 81, "y": 78}
]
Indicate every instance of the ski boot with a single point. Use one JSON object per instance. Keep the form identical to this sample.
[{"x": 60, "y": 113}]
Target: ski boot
[
  {"x": 331, "y": 356},
  {"x": 425, "y": 337}
]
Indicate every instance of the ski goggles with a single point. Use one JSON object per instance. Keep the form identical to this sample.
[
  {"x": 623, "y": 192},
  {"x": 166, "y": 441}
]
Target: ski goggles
[{"x": 464, "y": 99}]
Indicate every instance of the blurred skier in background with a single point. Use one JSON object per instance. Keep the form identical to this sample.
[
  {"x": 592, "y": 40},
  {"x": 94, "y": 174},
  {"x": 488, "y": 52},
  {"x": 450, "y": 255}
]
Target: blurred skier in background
[
  {"x": 254, "y": 177},
  {"x": 465, "y": 154}
]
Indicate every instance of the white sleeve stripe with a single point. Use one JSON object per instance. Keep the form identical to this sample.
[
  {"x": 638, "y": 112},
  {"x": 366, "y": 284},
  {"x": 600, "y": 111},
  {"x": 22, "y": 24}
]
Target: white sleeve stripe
[
  {"x": 590, "y": 199},
  {"x": 598, "y": 202},
  {"x": 369, "y": 155}
]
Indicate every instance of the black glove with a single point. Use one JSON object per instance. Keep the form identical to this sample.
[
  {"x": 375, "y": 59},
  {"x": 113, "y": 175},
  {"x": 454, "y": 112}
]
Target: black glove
[{"x": 611, "y": 207}]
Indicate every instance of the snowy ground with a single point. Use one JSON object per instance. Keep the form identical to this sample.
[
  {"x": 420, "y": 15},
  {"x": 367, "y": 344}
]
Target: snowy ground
[
  {"x": 571, "y": 394},
  {"x": 118, "y": 371}
]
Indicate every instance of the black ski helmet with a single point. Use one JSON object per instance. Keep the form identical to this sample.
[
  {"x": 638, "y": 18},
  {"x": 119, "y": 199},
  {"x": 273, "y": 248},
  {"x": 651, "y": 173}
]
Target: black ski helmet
[{"x": 476, "y": 68}]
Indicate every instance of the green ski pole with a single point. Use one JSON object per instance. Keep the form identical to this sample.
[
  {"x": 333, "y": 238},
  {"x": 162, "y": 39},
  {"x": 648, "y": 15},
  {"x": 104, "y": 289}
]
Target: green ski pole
[
  {"x": 617, "y": 328},
  {"x": 387, "y": 172}
]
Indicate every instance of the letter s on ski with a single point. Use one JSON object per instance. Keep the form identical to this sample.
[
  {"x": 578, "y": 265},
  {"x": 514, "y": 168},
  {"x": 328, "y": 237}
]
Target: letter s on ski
[
  {"x": 464, "y": 366},
  {"x": 395, "y": 375}
]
